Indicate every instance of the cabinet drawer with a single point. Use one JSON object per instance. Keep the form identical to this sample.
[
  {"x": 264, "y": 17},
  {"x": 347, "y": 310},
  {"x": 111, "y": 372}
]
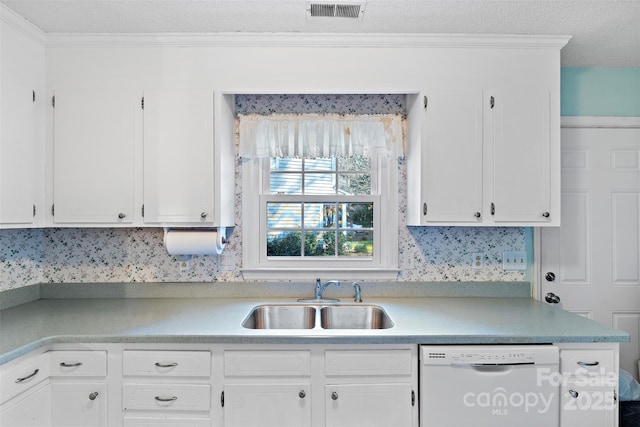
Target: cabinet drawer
[
  {"x": 78, "y": 363},
  {"x": 22, "y": 376},
  {"x": 368, "y": 362},
  {"x": 166, "y": 422},
  {"x": 166, "y": 363},
  {"x": 166, "y": 397},
  {"x": 267, "y": 363},
  {"x": 586, "y": 362}
]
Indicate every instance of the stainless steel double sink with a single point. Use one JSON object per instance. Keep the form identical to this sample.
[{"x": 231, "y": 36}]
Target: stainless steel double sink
[{"x": 305, "y": 316}]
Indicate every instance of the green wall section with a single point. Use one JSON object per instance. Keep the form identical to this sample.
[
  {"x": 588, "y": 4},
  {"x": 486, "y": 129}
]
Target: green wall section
[{"x": 600, "y": 91}]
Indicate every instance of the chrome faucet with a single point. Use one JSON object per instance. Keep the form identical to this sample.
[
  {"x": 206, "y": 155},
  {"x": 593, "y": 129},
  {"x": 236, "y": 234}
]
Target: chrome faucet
[
  {"x": 320, "y": 287},
  {"x": 358, "y": 296}
]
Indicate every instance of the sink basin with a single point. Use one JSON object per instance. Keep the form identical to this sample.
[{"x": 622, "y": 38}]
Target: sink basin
[
  {"x": 281, "y": 317},
  {"x": 354, "y": 317}
]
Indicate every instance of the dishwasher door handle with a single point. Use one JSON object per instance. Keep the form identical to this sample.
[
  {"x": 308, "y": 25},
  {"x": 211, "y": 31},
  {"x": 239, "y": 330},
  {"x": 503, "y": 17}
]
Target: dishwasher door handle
[{"x": 485, "y": 365}]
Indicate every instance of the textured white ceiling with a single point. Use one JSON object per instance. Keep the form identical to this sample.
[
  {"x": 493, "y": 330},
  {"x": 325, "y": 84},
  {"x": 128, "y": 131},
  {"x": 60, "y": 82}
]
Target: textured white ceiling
[{"x": 605, "y": 32}]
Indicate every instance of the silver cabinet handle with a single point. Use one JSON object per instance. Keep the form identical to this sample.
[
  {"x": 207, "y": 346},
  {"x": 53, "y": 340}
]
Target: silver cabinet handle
[
  {"x": 70, "y": 365},
  {"x": 477, "y": 214},
  {"x": 334, "y": 395},
  {"x": 573, "y": 393},
  {"x": 596, "y": 363},
  {"x": 552, "y": 298},
  {"x": 166, "y": 399},
  {"x": 546, "y": 214},
  {"x": 204, "y": 215},
  {"x": 19, "y": 380},
  {"x": 93, "y": 395},
  {"x": 166, "y": 365},
  {"x": 551, "y": 277},
  {"x": 121, "y": 215},
  {"x": 302, "y": 394}
]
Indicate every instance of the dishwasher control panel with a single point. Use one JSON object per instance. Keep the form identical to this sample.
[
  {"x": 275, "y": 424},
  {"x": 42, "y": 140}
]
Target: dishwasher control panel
[{"x": 489, "y": 355}]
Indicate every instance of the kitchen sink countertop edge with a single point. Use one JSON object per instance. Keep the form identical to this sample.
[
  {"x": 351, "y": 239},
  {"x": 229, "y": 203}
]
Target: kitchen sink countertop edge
[{"x": 428, "y": 320}]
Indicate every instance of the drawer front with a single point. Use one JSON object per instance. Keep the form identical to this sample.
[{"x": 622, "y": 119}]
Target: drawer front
[
  {"x": 267, "y": 363},
  {"x": 368, "y": 362},
  {"x": 586, "y": 362},
  {"x": 166, "y": 397},
  {"x": 166, "y": 422},
  {"x": 23, "y": 376},
  {"x": 78, "y": 363},
  {"x": 166, "y": 363}
]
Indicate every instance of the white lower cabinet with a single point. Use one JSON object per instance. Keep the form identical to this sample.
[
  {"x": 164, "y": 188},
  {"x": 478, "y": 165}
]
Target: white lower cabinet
[
  {"x": 78, "y": 404},
  {"x": 31, "y": 409},
  {"x": 589, "y": 389}
]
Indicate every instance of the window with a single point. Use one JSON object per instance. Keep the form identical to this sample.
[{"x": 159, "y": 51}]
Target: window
[{"x": 334, "y": 214}]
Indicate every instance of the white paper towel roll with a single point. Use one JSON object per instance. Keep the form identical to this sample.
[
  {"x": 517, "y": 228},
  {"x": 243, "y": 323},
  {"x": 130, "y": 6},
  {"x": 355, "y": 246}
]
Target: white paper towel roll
[{"x": 194, "y": 242}]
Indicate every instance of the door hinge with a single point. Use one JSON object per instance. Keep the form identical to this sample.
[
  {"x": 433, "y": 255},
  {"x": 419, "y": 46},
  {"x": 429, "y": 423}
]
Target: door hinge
[
  {"x": 53, "y": 209},
  {"x": 492, "y": 102},
  {"x": 426, "y": 101},
  {"x": 222, "y": 399},
  {"x": 53, "y": 101},
  {"x": 142, "y": 103},
  {"x": 34, "y": 210},
  {"x": 142, "y": 211},
  {"x": 413, "y": 398},
  {"x": 493, "y": 208},
  {"x": 424, "y": 209}
]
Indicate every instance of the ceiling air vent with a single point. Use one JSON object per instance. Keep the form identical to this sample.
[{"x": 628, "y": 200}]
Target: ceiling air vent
[{"x": 316, "y": 9}]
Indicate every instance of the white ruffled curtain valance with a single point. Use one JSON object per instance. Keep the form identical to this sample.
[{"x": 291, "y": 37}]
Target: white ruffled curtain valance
[{"x": 318, "y": 136}]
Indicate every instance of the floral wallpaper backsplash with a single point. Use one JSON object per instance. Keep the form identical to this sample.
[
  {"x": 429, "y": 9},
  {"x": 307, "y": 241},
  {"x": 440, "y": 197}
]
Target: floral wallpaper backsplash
[{"x": 76, "y": 255}]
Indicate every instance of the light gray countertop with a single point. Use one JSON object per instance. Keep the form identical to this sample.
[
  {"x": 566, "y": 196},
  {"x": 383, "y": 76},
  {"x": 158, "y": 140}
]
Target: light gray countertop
[{"x": 420, "y": 320}]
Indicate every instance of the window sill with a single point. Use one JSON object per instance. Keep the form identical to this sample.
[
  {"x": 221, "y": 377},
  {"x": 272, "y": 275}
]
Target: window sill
[{"x": 309, "y": 273}]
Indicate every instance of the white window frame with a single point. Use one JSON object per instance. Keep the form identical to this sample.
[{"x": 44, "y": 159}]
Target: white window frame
[{"x": 382, "y": 266}]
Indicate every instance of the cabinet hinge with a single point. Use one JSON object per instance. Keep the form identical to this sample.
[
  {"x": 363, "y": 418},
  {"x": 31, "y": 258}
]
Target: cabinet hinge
[
  {"x": 34, "y": 210},
  {"x": 426, "y": 101},
  {"x": 413, "y": 398},
  {"x": 142, "y": 211},
  {"x": 424, "y": 209},
  {"x": 33, "y": 94},
  {"x": 493, "y": 208},
  {"x": 53, "y": 101},
  {"x": 53, "y": 209},
  {"x": 222, "y": 399},
  {"x": 142, "y": 103},
  {"x": 492, "y": 102}
]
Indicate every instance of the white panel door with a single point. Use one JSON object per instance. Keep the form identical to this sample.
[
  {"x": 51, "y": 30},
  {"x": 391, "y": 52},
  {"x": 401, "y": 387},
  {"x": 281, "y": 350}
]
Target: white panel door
[
  {"x": 592, "y": 262},
  {"x": 452, "y": 157},
  {"x": 178, "y": 156},
  {"x": 371, "y": 405},
  {"x": 31, "y": 409},
  {"x": 267, "y": 405},
  {"x": 17, "y": 153},
  {"x": 93, "y": 156},
  {"x": 521, "y": 159}
]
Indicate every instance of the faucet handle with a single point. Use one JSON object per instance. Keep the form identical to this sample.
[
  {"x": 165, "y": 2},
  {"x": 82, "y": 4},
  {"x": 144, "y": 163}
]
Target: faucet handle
[{"x": 357, "y": 297}]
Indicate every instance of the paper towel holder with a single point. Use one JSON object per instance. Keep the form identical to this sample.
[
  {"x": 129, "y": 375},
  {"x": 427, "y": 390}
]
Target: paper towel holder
[{"x": 185, "y": 258}]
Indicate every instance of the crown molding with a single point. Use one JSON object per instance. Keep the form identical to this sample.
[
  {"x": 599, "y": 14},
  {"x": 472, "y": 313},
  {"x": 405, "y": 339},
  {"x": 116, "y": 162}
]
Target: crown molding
[
  {"x": 9, "y": 17},
  {"x": 495, "y": 41},
  {"x": 599, "y": 122}
]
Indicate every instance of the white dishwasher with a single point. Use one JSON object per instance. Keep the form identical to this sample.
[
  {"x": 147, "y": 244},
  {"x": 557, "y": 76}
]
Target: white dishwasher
[{"x": 489, "y": 386}]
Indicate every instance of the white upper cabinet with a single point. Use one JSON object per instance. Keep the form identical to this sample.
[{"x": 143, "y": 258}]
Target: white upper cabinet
[
  {"x": 178, "y": 157},
  {"x": 93, "y": 156},
  {"x": 483, "y": 157},
  {"x": 22, "y": 80}
]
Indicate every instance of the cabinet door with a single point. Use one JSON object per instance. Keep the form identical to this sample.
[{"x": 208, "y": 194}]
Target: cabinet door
[
  {"x": 178, "y": 156},
  {"x": 78, "y": 404},
  {"x": 267, "y": 405},
  {"x": 521, "y": 162},
  {"x": 17, "y": 153},
  {"x": 93, "y": 156},
  {"x": 371, "y": 405},
  {"x": 586, "y": 405},
  {"x": 452, "y": 157},
  {"x": 31, "y": 409}
]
